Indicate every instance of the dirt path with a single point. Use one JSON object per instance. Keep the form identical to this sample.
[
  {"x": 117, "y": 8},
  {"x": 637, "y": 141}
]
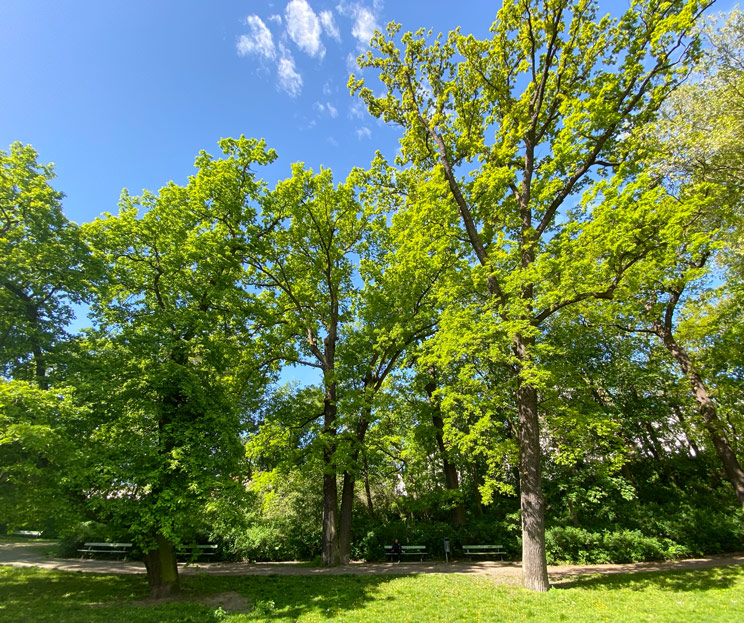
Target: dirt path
[{"x": 37, "y": 554}]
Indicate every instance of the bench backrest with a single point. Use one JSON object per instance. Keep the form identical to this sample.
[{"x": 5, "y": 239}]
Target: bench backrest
[
  {"x": 467, "y": 547},
  {"x": 407, "y": 548}
]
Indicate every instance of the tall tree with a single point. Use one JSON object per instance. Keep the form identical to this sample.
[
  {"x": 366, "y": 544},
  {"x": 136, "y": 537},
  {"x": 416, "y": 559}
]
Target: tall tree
[
  {"x": 517, "y": 127},
  {"x": 305, "y": 269},
  {"x": 44, "y": 270},
  {"x": 393, "y": 312},
  {"x": 697, "y": 153},
  {"x": 174, "y": 357}
]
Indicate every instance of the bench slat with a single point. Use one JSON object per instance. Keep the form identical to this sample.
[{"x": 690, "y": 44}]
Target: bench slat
[
  {"x": 104, "y": 548},
  {"x": 483, "y": 550}
]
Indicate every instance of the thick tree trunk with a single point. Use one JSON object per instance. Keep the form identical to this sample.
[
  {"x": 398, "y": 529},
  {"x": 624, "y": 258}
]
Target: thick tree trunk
[
  {"x": 162, "y": 570},
  {"x": 347, "y": 506},
  {"x": 347, "y": 492},
  {"x": 713, "y": 424},
  {"x": 534, "y": 561},
  {"x": 330, "y": 551}
]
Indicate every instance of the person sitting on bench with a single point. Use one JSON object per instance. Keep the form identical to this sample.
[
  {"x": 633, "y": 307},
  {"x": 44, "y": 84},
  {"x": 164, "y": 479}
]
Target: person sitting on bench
[{"x": 396, "y": 551}]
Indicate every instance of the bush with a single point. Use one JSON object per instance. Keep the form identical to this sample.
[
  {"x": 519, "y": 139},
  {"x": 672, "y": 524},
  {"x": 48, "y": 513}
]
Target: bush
[{"x": 576, "y": 545}]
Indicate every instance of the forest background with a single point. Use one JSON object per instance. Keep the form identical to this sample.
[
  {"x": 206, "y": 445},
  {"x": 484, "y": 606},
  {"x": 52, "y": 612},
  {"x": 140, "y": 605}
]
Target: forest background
[{"x": 525, "y": 328}]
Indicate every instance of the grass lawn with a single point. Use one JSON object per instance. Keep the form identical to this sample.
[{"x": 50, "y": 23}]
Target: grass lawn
[{"x": 38, "y": 596}]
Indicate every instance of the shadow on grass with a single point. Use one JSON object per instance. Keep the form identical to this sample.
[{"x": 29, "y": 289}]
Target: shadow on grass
[
  {"x": 290, "y": 597},
  {"x": 677, "y": 581},
  {"x": 52, "y": 596}
]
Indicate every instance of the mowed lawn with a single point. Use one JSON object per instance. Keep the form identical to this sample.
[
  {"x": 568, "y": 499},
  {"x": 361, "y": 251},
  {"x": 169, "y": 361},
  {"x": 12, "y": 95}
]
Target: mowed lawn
[{"x": 36, "y": 596}]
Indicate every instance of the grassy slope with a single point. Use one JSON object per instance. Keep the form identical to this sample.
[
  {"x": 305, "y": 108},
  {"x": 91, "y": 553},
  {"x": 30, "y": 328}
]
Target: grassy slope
[{"x": 710, "y": 596}]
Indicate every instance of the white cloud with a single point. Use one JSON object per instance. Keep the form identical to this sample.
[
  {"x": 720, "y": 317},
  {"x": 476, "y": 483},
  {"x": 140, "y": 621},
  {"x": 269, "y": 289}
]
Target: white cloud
[
  {"x": 332, "y": 141},
  {"x": 357, "y": 110},
  {"x": 303, "y": 27},
  {"x": 289, "y": 79},
  {"x": 364, "y": 26},
  {"x": 363, "y": 132},
  {"x": 329, "y": 25},
  {"x": 326, "y": 107},
  {"x": 258, "y": 41},
  {"x": 277, "y": 19},
  {"x": 327, "y": 89},
  {"x": 365, "y": 22},
  {"x": 351, "y": 63}
]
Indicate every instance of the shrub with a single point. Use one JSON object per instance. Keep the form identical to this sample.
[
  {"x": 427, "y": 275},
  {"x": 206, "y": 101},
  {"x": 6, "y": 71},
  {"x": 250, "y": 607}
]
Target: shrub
[{"x": 576, "y": 545}]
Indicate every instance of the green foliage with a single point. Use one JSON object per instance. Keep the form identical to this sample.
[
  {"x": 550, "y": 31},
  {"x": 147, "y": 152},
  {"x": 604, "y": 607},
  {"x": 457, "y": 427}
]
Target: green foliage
[
  {"x": 172, "y": 364},
  {"x": 45, "y": 270},
  {"x": 579, "y": 546},
  {"x": 38, "y": 457}
]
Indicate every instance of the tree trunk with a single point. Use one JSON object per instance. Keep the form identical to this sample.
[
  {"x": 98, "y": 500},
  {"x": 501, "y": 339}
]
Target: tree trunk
[
  {"x": 347, "y": 492},
  {"x": 347, "y": 506},
  {"x": 708, "y": 411},
  {"x": 367, "y": 490},
  {"x": 330, "y": 552},
  {"x": 162, "y": 570},
  {"x": 534, "y": 561}
]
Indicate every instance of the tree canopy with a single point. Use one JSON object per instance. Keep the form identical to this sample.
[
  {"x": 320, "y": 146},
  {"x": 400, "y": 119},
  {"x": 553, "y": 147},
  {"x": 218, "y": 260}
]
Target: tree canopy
[{"x": 525, "y": 328}]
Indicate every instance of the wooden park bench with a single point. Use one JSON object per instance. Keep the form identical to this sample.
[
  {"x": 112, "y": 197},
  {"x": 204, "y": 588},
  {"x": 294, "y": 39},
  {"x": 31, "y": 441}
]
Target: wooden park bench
[
  {"x": 483, "y": 550},
  {"x": 192, "y": 552},
  {"x": 119, "y": 549},
  {"x": 408, "y": 550}
]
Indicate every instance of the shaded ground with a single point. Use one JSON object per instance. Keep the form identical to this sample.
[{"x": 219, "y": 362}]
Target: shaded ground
[{"x": 36, "y": 554}]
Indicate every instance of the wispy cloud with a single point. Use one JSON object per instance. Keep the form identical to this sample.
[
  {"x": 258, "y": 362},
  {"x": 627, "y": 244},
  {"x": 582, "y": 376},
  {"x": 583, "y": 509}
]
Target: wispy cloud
[
  {"x": 258, "y": 40},
  {"x": 329, "y": 25},
  {"x": 357, "y": 110},
  {"x": 289, "y": 78},
  {"x": 303, "y": 27},
  {"x": 326, "y": 107},
  {"x": 363, "y": 132},
  {"x": 364, "y": 20},
  {"x": 351, "y": 63}
]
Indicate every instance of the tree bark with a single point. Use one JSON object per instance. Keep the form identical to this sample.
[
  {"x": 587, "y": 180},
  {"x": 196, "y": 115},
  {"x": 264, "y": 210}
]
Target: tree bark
[
  {"x": 347, "y": 506},
  {"x": 534, "y": 561},
  {"x": 367, "y": 490},
  {"x": 708, "y": 411},
  {"x": 330, "y": 551},
  {"x": 347, "y": 491},
  {"x": 162, "y": 569}
]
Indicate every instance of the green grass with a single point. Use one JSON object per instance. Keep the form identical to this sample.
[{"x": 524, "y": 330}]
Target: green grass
[{"x": 710, "y": 596}]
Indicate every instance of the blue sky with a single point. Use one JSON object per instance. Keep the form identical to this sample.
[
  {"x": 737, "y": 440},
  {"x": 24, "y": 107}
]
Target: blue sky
[{"x": 125, "y": 93}]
